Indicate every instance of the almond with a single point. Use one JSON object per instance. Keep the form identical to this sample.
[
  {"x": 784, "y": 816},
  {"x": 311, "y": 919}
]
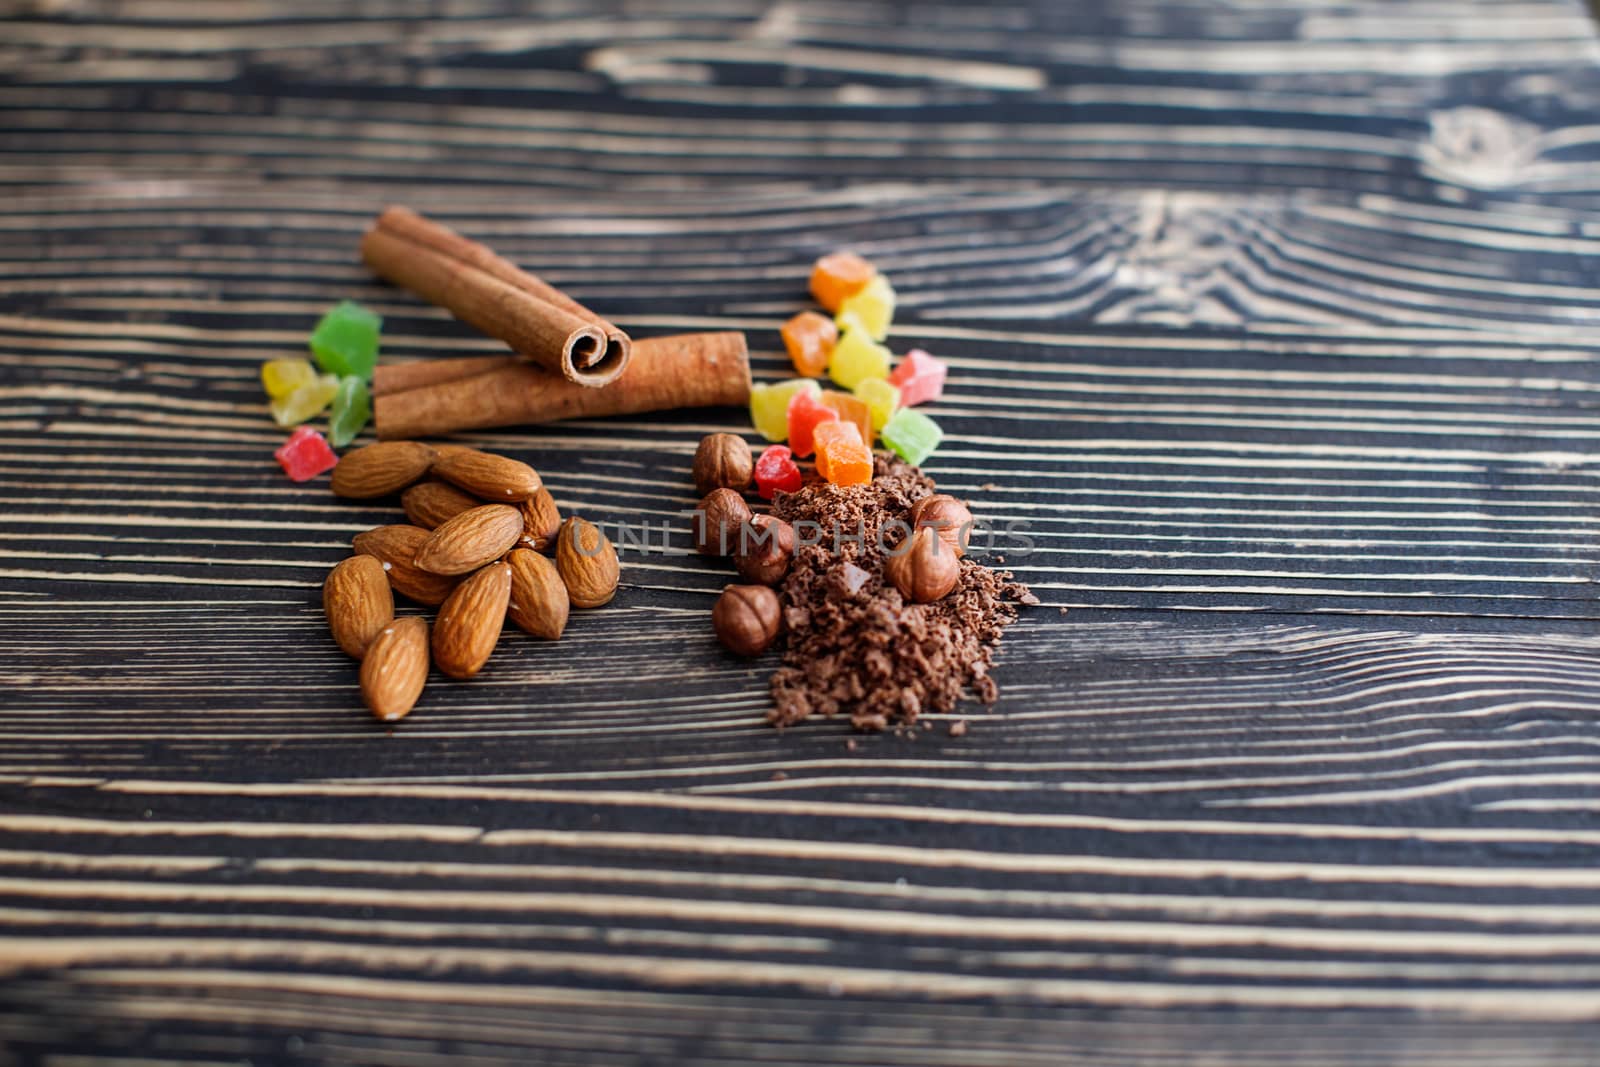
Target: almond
[
  {"x": 469, "y": 622},
  {"x": 430, "y": 504},
  {"x": 358, "y": 603},
  {"x": 541, "y": 521},
  {"x": 396, "y": 548},
  {"x": 471, "y": 539},
  {"x": 539, "y": 601},
  {"x": 488, "y": 476},
  {"x": 587, "y": 562},
  {"x": 380, "y": 469},
  {"x": 396, "y": 668}
]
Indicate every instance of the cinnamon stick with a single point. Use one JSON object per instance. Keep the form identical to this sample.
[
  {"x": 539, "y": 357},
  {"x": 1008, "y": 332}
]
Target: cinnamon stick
[
  {"x": 537, "y": 320},
  {"x": 390, "y": 378},
  {"x": 688, "y": 370}
]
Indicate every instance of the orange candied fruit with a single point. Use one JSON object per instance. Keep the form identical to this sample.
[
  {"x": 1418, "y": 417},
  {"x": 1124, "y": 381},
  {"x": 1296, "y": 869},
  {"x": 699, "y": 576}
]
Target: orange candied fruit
[
  {"x": 839, "y": 276},
  {"x": 851, "y": 409},
  {"x": 842, "y": 457},
  {"x": 810, "y": 338}
]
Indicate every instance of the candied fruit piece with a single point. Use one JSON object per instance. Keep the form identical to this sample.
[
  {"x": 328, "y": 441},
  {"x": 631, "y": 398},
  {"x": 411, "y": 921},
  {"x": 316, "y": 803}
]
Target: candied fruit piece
[
  {"x": 352, "y": 407},
  {"x": 810, "y": 338},
  {"x": 769, "y": 405},
  {"x": 280, "y": 377},
  {"x": 856, "y": 358},
  {"x": 805, "y": 411},
  {"x": 346, "y": 340},
  {"x": 305, "y": 402},
  {"x": 843, "y": 458},
  {"x": 881, "y": 398},
  {"x": 851, "y": 409},
  {"x": 305, "y": 455},
  {"x": 775, "y": 470},
  {"x": 912, "y": 436},
  {"x": 839, "y": 275},
  {"x": 872, "y": 310},
  {"x": 919, "y": 377}
]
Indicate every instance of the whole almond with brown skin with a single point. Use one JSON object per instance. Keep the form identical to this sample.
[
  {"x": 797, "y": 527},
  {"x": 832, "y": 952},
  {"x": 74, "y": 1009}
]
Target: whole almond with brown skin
[
  {"x": 483, "y": 474},
  {"x": 471, "y": 539},
  {"x": 470, "y": 621},
  {"x": 396, "y": 548},
  {"x": 539, "y": 602},
  {"x": 747, "y": 618},
  {"x": 430, "y": 504},
  {"x": 395, "y": 668},
  {"x": 924, "y": 570},
  {"x": 380, "y": 469},
  {"x": 722, "y": 461},
  {"x": 766, "y": 547},
  {"x": 541, "y": 521},
  {"x": 948, "y": 516},
  {"x": 358, "y": 603},
  {"x": 587, "y": 562}
]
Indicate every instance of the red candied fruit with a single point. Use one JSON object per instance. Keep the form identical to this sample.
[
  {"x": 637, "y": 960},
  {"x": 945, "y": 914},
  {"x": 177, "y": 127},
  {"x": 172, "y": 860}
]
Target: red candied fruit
[
  {"x": 805, "y": 411},
  {"x": 775, "y": 470},
  {"x": 305, "y": 455}
]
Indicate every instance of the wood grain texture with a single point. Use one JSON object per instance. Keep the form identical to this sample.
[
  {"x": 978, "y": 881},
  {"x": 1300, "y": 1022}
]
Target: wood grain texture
[{"x": 1273, "y": 323}]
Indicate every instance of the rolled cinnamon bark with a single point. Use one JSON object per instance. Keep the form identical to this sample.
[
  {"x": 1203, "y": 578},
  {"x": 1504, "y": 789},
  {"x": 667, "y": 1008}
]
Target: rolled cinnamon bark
[
  {"x": 537, "y": 320},
  {"x": 685, "y": 371},
  {"x": 390, "y": 378}
]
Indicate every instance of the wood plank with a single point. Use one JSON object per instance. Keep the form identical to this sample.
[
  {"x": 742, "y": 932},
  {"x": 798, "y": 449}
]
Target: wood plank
[{"x": 1271, "y": 322}]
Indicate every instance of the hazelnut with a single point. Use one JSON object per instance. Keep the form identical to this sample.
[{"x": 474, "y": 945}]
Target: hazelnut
[
  {"x": 764, "y": 550},
  {"x": 948, "y": 516},
  {"x": 722, "y": 514},
  {"x": 747, "y": 618},
  {"x": 925, "y": 569},
  {"x": 722, "y": 462}
]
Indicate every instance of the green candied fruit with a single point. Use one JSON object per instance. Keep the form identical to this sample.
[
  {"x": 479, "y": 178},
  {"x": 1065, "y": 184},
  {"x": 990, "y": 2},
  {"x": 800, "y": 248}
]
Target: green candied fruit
[
  {"x": 346, "y": 340},
  {"x": 911, "y": 435},
  {"x": 352, "y": 407}
]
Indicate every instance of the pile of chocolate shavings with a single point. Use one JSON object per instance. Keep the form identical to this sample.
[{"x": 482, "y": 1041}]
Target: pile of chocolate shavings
[{"x": 854, "y": 645}]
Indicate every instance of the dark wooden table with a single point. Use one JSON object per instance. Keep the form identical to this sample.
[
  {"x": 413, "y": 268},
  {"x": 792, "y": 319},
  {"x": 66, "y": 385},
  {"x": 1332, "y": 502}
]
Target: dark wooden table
[{"x": 1275, "y": 321}]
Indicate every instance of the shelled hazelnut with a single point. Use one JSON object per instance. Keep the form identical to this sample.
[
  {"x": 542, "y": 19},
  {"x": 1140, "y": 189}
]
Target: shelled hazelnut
[
  {"x": 765, "y": 550},
  {"x": 747, "y": 618},
  {"x": 722, "y": 461},
  {"x": 722, "y": 514},
  {"x": 924, "y": 570}
]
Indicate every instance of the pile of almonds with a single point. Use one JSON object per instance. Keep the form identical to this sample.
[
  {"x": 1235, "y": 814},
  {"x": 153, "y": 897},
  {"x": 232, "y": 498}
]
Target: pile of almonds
[{"x": 472, "y": 549}]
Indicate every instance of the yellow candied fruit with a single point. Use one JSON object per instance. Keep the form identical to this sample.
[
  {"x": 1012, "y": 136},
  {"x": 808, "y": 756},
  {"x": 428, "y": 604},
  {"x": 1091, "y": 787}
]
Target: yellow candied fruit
[
  {"x": 769, "y": 405},
  {"x": 881, "y": 397},
  {"x": 855, "y": 359},
  {"x": 872, "y": 309},
  {"x": 305, "y": 402},
  {"x": 280, "y": 377}
]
